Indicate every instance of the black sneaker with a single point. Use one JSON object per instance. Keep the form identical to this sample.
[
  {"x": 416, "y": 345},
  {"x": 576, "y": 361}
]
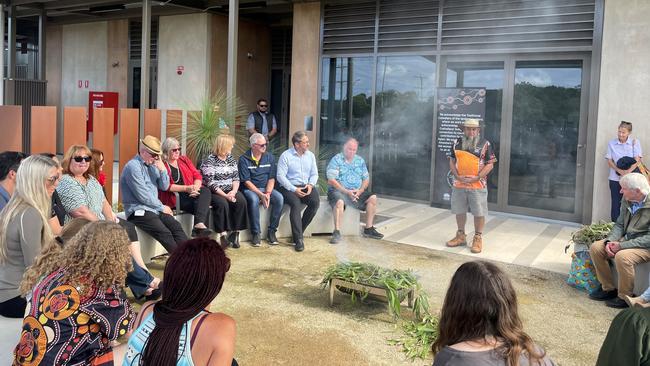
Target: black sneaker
[
  {"x": 617, "y": 303},
  {"x": 372, "y": 233},
  {"x": 300, "y": 246},
  {"x": 233, "y": 239},
  {"x": 270, "y": 236},
  {"x": 336, "y": 237},
  {"x": 601, "y": 295},
  {"x": 201, "y": 233},
  {"x": 255, "y": 241}
]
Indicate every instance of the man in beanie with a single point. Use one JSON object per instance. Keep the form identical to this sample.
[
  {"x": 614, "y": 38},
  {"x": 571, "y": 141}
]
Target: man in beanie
[
  {"x": 140, "y": 181},
  {"x": 471, "y": 160}
]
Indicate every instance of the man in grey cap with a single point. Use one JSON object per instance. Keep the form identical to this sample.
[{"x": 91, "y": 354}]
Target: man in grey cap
[
  {"x": 471, "y": 160},
  {"x": 140, "y": 181}
]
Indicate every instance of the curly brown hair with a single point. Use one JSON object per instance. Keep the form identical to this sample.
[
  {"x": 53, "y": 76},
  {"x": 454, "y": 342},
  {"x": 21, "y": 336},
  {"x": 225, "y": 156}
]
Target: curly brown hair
[{"x": 98, "y": 254}]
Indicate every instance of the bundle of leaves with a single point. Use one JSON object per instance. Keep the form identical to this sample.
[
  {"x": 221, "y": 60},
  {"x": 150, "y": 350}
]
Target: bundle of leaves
[
  {"x": 588, "y": 234},
  {"x": 418, "y": 337},
  {"x": 395, "y": 282}
]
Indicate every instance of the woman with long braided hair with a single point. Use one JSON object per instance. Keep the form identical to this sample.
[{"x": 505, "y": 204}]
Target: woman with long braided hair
[{"x": 179, "y": 329}]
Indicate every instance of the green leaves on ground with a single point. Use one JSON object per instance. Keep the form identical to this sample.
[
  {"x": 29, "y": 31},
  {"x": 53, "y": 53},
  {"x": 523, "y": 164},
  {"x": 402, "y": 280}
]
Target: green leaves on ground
[{"x": 418, "y": 337}]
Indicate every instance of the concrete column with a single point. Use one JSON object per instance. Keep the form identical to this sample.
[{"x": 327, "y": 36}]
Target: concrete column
[
  {"x": 41, "y": 46},
  {"x": 11, "y": 42},
  {"x": 231, "y": 76},
  {"x": 144, "y": 61},
  {"x": 304, "y": 69},
  {"x": 2, "y": 54}
]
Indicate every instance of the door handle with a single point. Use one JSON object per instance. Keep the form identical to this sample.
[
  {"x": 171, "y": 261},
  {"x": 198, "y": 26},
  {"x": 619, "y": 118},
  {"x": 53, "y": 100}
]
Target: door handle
[
  {"x": 580, "y": 146},
  {"x": 579, "y": 165}
]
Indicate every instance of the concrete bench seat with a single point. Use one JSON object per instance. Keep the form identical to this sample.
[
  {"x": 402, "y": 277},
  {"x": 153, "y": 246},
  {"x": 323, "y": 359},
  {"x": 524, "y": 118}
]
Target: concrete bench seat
[
  {"x": 323, "y": 223},
  {"x": 641, "y": 276},
  {"x": 9, "y": 337}
]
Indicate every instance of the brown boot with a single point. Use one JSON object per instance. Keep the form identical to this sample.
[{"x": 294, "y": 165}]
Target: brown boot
[
  {"x": 477, "y": 243},
  {"x": 458, "y": 240}
]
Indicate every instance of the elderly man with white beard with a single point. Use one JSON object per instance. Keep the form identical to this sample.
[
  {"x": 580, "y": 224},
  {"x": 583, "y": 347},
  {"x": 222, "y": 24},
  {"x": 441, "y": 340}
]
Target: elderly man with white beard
[{"x": 471, "y": 160}]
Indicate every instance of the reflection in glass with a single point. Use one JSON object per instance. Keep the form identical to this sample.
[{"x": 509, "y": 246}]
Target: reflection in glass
[
  {"x": 546, "y": 115},
  {"x": 346, "y": 100},
  {"x": 403, "y": 126},
  {"x": 489, "y": 75}
]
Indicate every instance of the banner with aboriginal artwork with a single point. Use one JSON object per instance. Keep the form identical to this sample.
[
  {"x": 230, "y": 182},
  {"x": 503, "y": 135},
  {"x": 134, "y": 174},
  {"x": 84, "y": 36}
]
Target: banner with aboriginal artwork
[{"x": 455, "y": 105}]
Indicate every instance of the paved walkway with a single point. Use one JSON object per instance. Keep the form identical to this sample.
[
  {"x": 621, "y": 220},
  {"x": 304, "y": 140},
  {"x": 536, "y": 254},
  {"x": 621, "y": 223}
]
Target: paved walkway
[{"x": 525, "y": 241}]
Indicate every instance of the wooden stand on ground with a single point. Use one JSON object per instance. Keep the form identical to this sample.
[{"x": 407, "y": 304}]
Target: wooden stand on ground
[{"x": 377, "y": 291}]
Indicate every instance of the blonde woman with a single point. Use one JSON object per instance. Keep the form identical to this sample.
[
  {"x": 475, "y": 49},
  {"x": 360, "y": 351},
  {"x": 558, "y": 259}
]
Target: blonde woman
[
  {"x": 24, "y": 228},
  {"x": 221, "y": 175},
  {"x": 79, "y": 301}
]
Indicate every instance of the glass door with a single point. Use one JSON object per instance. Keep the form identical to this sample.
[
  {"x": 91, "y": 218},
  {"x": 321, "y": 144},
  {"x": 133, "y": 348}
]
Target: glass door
[{"x": 546, "y": 157}]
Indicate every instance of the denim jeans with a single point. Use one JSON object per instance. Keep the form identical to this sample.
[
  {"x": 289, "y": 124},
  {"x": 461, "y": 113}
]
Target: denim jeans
[
  {"x": 138, "y": 280},
  {"x": 253, "y": 202}
]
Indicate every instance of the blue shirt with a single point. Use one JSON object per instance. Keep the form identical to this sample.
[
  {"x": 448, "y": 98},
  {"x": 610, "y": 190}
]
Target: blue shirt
[
  {"x": 4, "y": 197},
  {"x": 635, "y": 206},
  {"x": 250, "y": 123},
  {"x": 350, "y": 175},
  {"x": 617, "y": 150},
  {"x": 294, "y": 170},
  {"x": 140, "y": 184}
]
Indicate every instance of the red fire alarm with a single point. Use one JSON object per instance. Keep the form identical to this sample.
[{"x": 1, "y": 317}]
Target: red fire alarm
[{"x": 179, "y": 70}]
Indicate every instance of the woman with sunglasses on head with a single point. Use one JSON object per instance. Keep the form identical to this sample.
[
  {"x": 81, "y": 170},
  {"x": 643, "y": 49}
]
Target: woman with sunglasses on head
[
  {"x": 480, "y": 324},
  {"x": 24, "y": 228},
  {"x": 179, "y": 329},
  {"x": 58, "y": 212},
  {"x": 82, "y": 196},
  {"x": 622, "y": 146},
  {"x": 186, "y": 180}
]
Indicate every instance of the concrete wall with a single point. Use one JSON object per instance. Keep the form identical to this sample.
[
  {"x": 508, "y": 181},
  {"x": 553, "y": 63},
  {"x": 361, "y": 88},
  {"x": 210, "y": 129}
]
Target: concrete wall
[
  {"x": 183, "y": 41},
  {"x": 304, "y": 68},
  {"x": 85, "y": 57},
  {"x": 624, "y": 76},
  {"x": 253, "y": 74},
  {"x": 118, "y": 59}
]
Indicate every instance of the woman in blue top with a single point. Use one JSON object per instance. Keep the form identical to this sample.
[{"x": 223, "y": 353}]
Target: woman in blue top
[
  {"x": 179, "y": 329},
  {"x": 617, "y": 148}
]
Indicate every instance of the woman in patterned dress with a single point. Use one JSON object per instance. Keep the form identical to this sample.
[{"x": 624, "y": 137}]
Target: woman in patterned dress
[
  {"x": 78, "y": 308},
  {"x": 82, "y": 196},
  {"x": 220, "y": 174}
]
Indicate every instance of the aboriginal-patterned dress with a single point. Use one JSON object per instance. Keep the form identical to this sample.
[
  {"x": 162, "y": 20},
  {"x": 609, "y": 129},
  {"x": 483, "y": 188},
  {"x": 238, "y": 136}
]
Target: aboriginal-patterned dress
[{"x": 65, "y": 327}]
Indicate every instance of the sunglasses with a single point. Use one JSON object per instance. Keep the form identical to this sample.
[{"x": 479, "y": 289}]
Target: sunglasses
[
  {"x": 263, "y": 105},
  {"x": 79, "y": 159},
  {"x": 53, "y": 179},
  {"x": 262, "y": 145},
  {"x": 176, "y": 149}
]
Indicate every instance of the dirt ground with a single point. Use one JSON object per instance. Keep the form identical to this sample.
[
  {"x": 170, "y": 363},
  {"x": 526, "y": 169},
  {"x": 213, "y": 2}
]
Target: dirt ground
[{"x": 284, "y": 318}]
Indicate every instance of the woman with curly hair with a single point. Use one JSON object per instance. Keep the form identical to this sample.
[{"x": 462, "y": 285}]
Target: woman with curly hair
[
  {"x": 77, "y": 308},
  {"x": 480, "y": 324},
  {"x": 24, "y": 228},
  {"x": 179, "y": 329}
]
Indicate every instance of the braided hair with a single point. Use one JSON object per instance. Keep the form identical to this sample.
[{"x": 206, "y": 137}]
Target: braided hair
[{"x": 193, "y": 276}]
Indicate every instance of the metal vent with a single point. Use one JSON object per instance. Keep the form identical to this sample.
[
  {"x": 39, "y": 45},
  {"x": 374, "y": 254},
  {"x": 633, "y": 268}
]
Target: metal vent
[
  {"x": 408, "y": 25},
  {"x": 135, "y": 39},
  {"x": 349, "y": 28},
  {"x": 281, "y": 47},
  {"x": 514, "y": 25}
]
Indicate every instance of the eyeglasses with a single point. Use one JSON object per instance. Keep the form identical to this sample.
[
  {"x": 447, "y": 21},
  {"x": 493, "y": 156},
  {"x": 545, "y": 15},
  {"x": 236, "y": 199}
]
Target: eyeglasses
[
  {"x": 154, "y": 156},
  {"x": 262, "y": 145},
  {"x": 79, "y": 159},
  {"x": 53, "y": 179},
  {"x": 176, "y": 149},
  {"x": 262, "y": 105}
]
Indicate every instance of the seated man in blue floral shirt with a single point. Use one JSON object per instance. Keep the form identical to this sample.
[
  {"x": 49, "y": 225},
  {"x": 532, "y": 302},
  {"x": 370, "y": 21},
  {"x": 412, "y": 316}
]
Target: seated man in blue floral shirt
[{"x": 348, "y": 178}]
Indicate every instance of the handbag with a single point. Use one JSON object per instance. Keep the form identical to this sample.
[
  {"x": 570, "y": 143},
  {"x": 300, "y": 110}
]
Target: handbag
[{"x": 582, "y": 274}]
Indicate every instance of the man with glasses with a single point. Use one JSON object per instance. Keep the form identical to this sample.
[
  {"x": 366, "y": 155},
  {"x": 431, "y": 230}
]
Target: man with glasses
[
  {"x": 262, "y": 121},
  {"x": 298, "y": 176},
  {"x": 9, "y": 162},
  {"x": 257, "y": 170},
  {"x": 140, "y": 181}
]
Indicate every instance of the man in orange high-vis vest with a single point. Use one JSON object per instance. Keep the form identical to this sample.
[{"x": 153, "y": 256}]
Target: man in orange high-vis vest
[{"x": 471, "y": 160}]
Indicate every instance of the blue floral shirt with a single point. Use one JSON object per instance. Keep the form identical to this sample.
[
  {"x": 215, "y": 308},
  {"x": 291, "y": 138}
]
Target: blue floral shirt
[{"x": 349, "y": 175}]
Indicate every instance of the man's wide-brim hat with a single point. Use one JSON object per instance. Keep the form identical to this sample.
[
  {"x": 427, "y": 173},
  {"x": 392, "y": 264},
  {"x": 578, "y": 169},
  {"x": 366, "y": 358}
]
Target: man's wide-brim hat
[
  {"x": 152, "y": 144},
  {"x": 471, "y": 123}
]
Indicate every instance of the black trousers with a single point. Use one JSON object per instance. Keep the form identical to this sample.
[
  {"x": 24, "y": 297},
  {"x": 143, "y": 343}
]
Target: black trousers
[
  {"x": 615, "y": 192},
  {"x": 13, "y": 308},
  {"x": 298, "y": 224},
  {"x": 162, "y": 227},
  {"x": 229, "y": 216},
  {"x": 199, "y": 205}
]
